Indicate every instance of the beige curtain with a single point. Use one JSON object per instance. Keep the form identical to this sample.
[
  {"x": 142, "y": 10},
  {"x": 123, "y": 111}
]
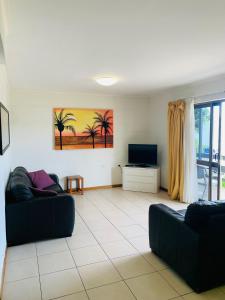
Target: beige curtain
[{"x": 176, "y": 111}]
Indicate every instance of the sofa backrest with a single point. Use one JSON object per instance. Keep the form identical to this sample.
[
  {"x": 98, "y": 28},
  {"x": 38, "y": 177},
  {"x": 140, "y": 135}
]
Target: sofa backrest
[
  {"x": 201, "y": 215},
  {"x": 18, "y": 187}
]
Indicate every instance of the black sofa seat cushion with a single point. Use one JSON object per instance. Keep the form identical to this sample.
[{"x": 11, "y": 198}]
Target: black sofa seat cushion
[
  {"x": 41, "y": 193},
  {"x": 55, "y": 187},
  {"x": 200, "y": 213}
]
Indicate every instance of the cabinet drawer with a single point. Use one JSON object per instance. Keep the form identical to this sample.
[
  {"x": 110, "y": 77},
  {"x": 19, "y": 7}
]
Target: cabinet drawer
[
  {"x": 139, "y": 171},
  {"x": 141, "y": 179},
  {"x": 140, "y": 187}
]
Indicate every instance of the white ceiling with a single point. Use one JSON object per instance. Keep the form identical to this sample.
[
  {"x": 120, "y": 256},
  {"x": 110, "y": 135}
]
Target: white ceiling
[{"x": 149, "y": 44}]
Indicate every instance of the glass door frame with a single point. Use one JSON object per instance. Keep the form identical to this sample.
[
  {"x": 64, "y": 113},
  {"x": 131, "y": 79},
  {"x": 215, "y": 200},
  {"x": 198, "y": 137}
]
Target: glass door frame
[{"x": 210, "y": 163}]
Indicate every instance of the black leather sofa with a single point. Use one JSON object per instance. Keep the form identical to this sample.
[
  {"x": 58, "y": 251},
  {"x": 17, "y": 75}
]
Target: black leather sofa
[
  {"x": 31, "y": 218},
  {"x": 192, "y": 242}
]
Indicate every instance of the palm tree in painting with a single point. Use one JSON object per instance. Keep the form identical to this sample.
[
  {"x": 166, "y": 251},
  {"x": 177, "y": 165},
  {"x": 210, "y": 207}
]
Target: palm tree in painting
[
  {"x": 61, "y": 123},
  {"x": 103, "y": 122},
  {"x": 92, "y": 132}
]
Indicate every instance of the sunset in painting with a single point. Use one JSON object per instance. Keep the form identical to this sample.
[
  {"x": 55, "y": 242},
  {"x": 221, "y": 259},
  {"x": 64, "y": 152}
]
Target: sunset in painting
[{"x": 83, "y": 128}]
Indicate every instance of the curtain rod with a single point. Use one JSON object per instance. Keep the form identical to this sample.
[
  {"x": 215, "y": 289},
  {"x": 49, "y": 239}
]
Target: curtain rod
[{"x": 203, "y": 96}]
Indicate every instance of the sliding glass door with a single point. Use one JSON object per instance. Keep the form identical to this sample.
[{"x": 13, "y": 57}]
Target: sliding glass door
[
  {"x": 210, "y": 149},
  {"x": 202, "y": 143}
]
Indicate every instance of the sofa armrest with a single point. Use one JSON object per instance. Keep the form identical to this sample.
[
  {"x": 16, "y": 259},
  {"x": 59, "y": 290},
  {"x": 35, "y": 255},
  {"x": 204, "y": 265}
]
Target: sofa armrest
[
  {"x": 62, "y": 210},
  {"x": 63, "y": 197},
  {"x": 162, "y": 218},
  {"x": 54, "y": 177},
  {"x": 172, "y": 239},
  {"x": 40, "y": 218}
]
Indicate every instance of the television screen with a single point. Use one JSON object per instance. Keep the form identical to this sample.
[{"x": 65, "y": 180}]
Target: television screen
[{"x": 142, "y": 154}]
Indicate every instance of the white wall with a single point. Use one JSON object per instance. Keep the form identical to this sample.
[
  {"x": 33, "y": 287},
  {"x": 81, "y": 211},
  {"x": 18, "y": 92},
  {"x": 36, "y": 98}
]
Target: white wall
[
  {"x": 214, "y": 88},
  {"x": 4, "y": 169},
  {"x": 33, "y": 145}
]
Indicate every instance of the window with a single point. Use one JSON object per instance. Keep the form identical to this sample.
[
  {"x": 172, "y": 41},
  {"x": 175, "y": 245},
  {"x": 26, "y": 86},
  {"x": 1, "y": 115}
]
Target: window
[{"x": 210, "y": 149}]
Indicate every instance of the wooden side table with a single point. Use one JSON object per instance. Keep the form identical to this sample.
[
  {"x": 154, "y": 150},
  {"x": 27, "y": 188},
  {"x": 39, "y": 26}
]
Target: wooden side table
[{"x": 79, "y": 181}]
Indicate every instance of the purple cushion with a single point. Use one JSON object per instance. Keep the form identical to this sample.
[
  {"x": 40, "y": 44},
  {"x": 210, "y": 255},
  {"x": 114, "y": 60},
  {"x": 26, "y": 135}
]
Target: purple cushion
[
  {"x": 39, "y": 192},
  {"x": 40, "y": 179}
]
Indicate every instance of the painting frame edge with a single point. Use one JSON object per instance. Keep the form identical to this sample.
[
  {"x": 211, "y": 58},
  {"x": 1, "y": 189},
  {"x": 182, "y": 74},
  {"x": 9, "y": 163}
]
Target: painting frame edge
[{"x": 3, "y": 150}]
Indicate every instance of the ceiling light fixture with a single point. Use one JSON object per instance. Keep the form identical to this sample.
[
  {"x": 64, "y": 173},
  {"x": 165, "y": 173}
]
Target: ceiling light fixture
[{"x": 106, "y": 80}]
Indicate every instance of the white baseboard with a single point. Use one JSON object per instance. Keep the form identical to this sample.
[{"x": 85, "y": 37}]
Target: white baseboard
[{"x": 3, "y": 273}]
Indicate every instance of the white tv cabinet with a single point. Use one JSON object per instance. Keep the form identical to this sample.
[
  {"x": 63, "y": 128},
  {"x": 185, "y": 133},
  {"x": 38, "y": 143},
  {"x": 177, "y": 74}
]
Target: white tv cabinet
[{"x": 141, "y": 179}]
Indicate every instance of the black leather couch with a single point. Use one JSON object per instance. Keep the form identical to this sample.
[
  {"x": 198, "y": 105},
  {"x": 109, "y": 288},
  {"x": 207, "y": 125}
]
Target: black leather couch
[
  {"x": 191, "y": 242},
  {"x": 30, "y": 218}
]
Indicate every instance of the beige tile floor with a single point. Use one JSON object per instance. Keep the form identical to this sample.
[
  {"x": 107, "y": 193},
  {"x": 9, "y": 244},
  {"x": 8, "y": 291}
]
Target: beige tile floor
[{"x": 107, "y": 258}]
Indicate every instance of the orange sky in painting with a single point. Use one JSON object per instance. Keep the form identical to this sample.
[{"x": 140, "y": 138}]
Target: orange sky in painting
[{"x": 83, "y": 117}]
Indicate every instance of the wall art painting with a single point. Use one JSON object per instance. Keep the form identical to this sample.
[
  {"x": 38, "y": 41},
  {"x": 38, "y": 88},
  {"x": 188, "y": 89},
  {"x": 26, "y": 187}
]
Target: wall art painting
[{"x": 77, "y": 128}]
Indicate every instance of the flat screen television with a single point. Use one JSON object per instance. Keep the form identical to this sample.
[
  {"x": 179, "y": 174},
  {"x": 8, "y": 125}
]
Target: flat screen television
[{"x": 142, "y": 154}]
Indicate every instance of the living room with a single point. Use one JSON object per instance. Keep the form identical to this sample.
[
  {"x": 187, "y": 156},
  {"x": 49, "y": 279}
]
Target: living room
[{"x": 161, "y": 69}]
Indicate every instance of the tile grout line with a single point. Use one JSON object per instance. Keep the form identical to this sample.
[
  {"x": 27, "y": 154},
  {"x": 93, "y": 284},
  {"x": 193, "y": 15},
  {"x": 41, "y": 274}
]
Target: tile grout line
[
  {"x": 21, "y": 279},
  {"x": 58, "y": 271},
  {"x": 77, "y": 269},
  {"x": 53, "y": 252},
  {"x": 174, "y": 288},
  {"x": 39, "y": 275},
  {"x": 103, "y": 285},
  {"x": 55, "y": 298},
  {"x": 20, "y": 259}
]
